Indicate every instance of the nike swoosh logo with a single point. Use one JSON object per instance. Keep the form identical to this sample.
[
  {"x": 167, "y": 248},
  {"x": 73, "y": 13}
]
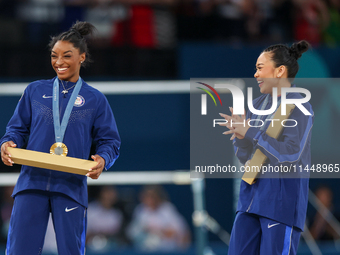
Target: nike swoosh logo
[
  {"x": 44, "y": 96},
  {"x": 71, "y": 209},
  {"x": 273, "y": 225}
]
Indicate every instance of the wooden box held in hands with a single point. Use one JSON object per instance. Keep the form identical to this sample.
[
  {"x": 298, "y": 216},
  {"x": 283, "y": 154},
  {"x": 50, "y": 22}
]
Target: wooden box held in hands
[
  {"x": 259, "y": 158},
  {"x": 49, "y": 161}
]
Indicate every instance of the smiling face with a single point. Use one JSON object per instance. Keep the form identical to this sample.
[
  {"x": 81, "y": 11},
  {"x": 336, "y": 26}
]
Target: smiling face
[
  {"x": 66, "y": 61},
  {"x": 266, "y": 72}
]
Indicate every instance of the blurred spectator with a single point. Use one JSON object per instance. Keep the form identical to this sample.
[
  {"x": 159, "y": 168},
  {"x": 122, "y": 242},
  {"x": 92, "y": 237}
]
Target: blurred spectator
[
  {"x": 231, "y": 19},
  {"x": 10, "y": 27},
  {"x": 6, "y": 210},
  {"x": 105, "y": 220},
  {"x": 149, "y": 24},
  {"x": 332, "y": 29},
  {"x": 238, "y": 20},
  {"x": 283, "y": 21},
  {"x": 196, "y": 20},
  {"x": 259, "y": 19},
  {"x": 105, "y": 15},
  {"x": 156, "y": 224},
  {"x": 157, "y": 24},
  {"x": 42, "y": 18},
  {"x": 319, "y": 227},
  {"x": 74, "y": 10},
  {"x": 311, "y": 16}
]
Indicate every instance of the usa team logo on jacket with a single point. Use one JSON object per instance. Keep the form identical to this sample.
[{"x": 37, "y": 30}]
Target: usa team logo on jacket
[{"x": 80, "y": 101}]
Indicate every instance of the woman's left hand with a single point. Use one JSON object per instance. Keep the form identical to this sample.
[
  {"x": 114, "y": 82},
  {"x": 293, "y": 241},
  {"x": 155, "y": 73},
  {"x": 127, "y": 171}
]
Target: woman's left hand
[
  {"x": 98, "y": 169},
  {"x": 237, "y": 125}
]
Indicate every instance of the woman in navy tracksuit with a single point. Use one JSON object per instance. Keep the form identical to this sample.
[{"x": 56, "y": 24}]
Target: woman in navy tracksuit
[
  {"x": 41, "y": 191},
  {"x": 271, "y": 212}
]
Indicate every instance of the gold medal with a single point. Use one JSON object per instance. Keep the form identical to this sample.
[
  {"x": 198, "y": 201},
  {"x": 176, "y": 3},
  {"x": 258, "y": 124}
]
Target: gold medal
[{"x": 59, "y": 149}]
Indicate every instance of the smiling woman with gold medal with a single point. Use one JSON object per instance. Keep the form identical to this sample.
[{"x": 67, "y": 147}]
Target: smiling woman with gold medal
[{"x": 61, "y": 116}]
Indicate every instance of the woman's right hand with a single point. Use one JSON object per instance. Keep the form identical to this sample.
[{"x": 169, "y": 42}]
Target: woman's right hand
[
  {"x": 5, "y": 156},
  {"x": 237, "y": 130}
]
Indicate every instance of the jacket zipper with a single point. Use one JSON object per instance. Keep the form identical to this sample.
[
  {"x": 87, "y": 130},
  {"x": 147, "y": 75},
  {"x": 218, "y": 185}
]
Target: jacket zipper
[
  {"x": 60, "y": 110},
  {"x": 49, "y": 181}
]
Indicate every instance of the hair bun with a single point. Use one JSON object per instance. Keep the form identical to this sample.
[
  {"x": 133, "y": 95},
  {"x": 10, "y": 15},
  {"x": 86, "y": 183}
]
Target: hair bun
[
  {"x": 83, "y": 28},
  {"x": 298, "y": 48}
]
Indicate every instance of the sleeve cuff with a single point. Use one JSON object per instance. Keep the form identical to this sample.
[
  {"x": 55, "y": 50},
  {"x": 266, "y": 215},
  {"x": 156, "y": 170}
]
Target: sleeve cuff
[
  {"x": 7, "y": 140},
  {"x": 2, "y": 142},
  {"x": 106, "y": 158}
]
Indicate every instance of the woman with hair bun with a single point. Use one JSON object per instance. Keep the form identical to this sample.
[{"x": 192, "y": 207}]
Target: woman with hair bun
[
  {"x": 60, "y": 116},
  {"x": 271, "y": 212}
]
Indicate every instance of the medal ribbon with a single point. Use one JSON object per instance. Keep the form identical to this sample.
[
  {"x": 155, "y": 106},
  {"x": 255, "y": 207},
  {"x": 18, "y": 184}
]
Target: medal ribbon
[
  {"x": 59, "y": 130},
  {"x": 265, "y": 102}
]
